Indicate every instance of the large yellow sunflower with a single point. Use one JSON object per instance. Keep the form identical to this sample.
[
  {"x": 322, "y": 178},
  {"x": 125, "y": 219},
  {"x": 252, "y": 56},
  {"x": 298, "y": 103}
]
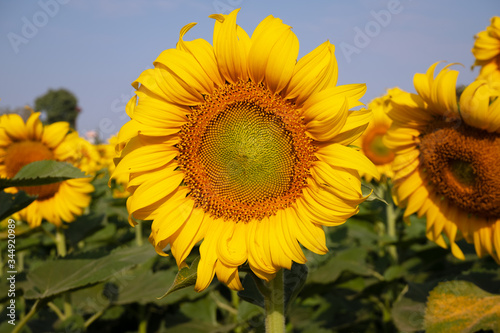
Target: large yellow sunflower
[
  {"x": 371, "y": 141},
  {"x": 22, "y": 143},
  {"x": 487, "y": 52},
  {"x": 243, "y": 147},
  {"x": 447, "y": 162}
]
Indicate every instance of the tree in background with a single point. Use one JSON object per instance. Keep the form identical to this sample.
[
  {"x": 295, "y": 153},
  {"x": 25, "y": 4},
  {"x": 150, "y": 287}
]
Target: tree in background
[{"x": 58, "y": 105}]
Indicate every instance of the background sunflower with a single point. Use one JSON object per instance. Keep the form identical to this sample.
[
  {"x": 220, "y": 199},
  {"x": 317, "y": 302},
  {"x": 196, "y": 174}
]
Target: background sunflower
[
  {"x": 22, "y": 143},
  {"x": 447, "y": 156}
]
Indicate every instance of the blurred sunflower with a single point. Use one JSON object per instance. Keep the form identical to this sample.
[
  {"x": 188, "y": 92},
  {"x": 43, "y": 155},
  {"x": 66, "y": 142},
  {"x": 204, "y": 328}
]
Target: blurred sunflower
[
  {"x": 371, "y": 141},
  {"x": 107, "y": 152},
  {"x": 243, "y": 147},
  {"x": 448, "y": 159},
  {"x": 487, "y": 52},
  {"x": 22, "y": 143},
  {"x": 81, "y": 153}
]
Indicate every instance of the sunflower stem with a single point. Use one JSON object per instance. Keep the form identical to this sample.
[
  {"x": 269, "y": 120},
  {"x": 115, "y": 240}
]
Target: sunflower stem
[
  {"x": 27, "y": 317},
  {"x": 138, "y": 233},
  {"x": 275, "y": 305},
  {"x": 60, "y": 241},
  {"x": 391, "y": 218}
]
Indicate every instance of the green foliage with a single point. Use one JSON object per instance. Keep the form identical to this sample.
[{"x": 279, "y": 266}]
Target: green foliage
[
  {"x": 113, "y": 281},
  {"x": 185, "y": 278},
  {"x": 42, "y": 173},
  {"x": 12, "y": 203},
  {"x": 59, "y": 105},
  {"x": 33, "y": 174}
]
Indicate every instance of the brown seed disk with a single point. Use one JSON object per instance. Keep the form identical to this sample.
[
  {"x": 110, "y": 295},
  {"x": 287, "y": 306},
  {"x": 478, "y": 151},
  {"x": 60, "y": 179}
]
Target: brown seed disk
[
  {"x": 245, "y": 153},
  {"x": 463, "y": 165}
]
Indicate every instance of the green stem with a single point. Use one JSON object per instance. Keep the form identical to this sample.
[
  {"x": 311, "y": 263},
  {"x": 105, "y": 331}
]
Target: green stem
[
  {"x": 143, "y": 323},
  {"x": 68, "y": 309},
  {"x": 56, "y": 310},
  {"x": 60, "y": 240},
  {"x": 92, "y": 319},
  {"x": 138, "y": 233},
  {"x": 25, "y": 319},
  {"x": 275, "y": 305},
  {"x": 391, "y": 217}
]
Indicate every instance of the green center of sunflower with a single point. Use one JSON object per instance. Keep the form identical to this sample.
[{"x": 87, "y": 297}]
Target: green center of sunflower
[
  {"x": 463, "y": 172},
  {"x": 374, "y": 148},
  {"x": 463, "y": 164},
  {"x": 22, "y": 153},
  {"x": 245, "y": 153},
  {"x": 248, "y": 154}
]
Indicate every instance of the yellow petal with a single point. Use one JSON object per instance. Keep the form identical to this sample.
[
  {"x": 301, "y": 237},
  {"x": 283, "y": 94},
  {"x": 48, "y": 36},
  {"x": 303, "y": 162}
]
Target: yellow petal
[
  {"x": 184, "y": 66},
  {"x": 232, "y": 248},
  {"x": 184, "y": 239},
  {"x": 231, "y": 46},
  {"x": 34, "y": 127},
  {"x": 55, "y": 133},
  {"x": 281, "y": 61},
  {"x": 203, "y": 52},
  {"x": 228, "y": 275},
  {"x": 356, "y": 123},
  {"x": 315, "y": 71},
  {"x": 309, "y": 234},
  {"x": 344, "y": 157},
  {"x": 264, "y": 38},
  {"x": 174, "y": 213},
  {"x": 208, "y": 254}
]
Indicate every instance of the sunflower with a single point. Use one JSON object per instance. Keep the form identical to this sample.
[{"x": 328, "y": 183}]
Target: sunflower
[
  {"x": 243, "y": 147},
  {"x": 107, "y": 154},
  {"x": 371, "y": 141},
  {"x": 22, "y": 143},
  {"x": 82, "y": 154},
  {"x": 448, "y": 159},
  {"x": 486, "y": 50}
]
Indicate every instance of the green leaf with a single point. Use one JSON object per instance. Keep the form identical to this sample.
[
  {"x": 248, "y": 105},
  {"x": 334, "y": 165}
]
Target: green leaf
[
  {"x": 145, "y": 287},
  {"x": 42, "y": 173},
  {"x": 408, "y": 310},
  {"x": 366, "y": 189},
  {"x": 352, "y": 260},
  {"x": 12, "y": 203},
  {"x": 251, "y": 292},
  {"x": 54, "y": 277},
  {"x": 203, "y": 310},
  {"x": 461, "y": 306},
  {"x": 185, "y": 278},
  {"x": 294, "y": 281}
]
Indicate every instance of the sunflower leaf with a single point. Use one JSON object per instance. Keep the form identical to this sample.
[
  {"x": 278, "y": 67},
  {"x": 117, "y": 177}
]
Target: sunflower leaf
[
  {"x": 368, "y": 190},
  {"x": 186, "y": 277},
  {"x": 58, "y": 276},
  {"x": 13, "y": 202},
  {"x": 42, "y": 173},
  {"x": 467, "y": 307}
]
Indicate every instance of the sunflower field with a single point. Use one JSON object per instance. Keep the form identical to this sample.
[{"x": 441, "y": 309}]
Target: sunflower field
[{"x": 250, "y": 192}]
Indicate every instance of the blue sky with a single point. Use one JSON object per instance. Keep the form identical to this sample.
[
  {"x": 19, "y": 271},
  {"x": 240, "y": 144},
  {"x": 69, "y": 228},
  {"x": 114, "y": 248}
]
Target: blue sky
[{"x": 96, "y": 48}]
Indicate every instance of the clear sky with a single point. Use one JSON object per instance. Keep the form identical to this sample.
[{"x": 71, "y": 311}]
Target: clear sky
[{"x": 96, "y": 48}]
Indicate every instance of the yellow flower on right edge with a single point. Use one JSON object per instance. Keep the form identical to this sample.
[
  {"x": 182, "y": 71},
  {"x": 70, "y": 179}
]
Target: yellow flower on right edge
[
  {"x": 486, "y": 50},
  {"x": 447, "y": 162}
]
